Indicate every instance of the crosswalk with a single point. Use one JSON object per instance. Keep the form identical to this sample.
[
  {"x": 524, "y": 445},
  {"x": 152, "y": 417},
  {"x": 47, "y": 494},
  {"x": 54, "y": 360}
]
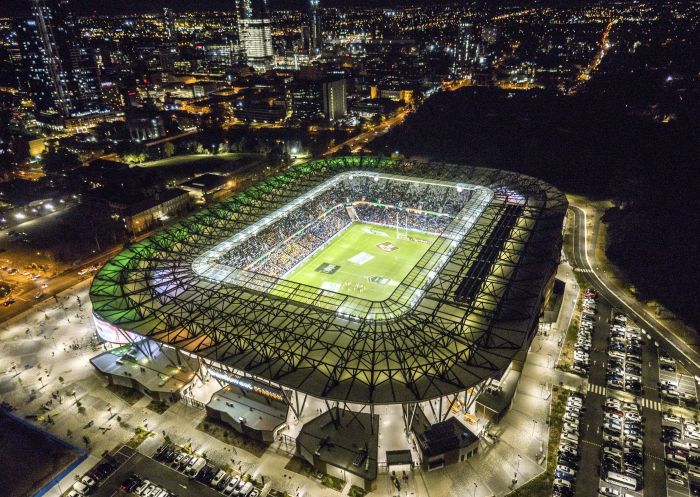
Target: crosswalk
[
  {"x": 600, "y": 390},
  {"x": 644, "y": 402},
  {"x": 652, "y": 404},
  {"x": 582, "y": 270}
]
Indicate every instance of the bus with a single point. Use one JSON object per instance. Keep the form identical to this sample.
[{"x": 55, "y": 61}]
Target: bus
[{"x": 622, "y": 480}]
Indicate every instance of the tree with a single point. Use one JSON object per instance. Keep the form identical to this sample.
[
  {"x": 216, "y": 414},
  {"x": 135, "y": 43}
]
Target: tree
[
  {"x": 132, "y": 152},
  {"x": 58, "y": 161},
  {"x": 168, "y": 150}
]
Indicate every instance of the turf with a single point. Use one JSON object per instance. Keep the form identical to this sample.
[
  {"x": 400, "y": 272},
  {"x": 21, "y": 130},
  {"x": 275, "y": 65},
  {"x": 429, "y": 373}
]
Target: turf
[{"x": 368, "y": 278}]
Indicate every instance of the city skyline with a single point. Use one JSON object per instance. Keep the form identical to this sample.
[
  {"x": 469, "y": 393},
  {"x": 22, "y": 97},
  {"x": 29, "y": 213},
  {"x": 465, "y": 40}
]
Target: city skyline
[{"x": 86, "y": 7}]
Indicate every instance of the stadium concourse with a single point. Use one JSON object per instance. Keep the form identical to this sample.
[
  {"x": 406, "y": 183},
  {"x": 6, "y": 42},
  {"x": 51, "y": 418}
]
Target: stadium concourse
[{"x": 341, "y": 285}]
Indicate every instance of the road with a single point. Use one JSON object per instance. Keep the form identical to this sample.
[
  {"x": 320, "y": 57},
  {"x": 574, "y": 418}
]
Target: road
[
  {"x": 357, "y": 142},
  {"x": 584, "y": 243}
]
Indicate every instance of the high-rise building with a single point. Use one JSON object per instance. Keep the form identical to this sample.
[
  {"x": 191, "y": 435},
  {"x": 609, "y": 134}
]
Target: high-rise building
[
  {"x": 60, "y": 72},
  {"x": 464, "y": 50},
  {"x": 315, "y": 33},
  {"x": 307, "y": 100},
  {"x": 169, "y": 24},
  {"x": 255, "y": 32},
  {"x": 335, "y": 100}
]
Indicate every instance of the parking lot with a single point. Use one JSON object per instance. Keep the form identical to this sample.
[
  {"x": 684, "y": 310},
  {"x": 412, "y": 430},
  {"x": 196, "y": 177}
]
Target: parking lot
[
  {"x": 624, "y": 364},
  {"x": 622, "y": 454},
  {"x": 569, "y": 454},
  {"x": 676, "y": 386},
  {"x": 160, "y": 474},
  {"x": 643, "y": 353},
  {"x": 682, "y": 453}
]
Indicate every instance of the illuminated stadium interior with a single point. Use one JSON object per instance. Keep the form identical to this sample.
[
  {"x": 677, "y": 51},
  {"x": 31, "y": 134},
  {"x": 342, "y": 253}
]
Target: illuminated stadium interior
[{"x": 428, "y": 221}]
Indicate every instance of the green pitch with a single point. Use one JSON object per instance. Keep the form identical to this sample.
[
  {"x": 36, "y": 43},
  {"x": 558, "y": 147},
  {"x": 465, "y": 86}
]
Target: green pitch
[{"x": 365, "y": 261}]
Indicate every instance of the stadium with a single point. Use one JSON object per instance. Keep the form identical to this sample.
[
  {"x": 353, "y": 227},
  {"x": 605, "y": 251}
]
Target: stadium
[{"x": 345, "y": 283}]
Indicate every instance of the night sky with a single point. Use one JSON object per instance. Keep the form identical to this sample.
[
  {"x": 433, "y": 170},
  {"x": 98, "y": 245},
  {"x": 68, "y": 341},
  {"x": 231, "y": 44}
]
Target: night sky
[{"x": 17, "y": 7}]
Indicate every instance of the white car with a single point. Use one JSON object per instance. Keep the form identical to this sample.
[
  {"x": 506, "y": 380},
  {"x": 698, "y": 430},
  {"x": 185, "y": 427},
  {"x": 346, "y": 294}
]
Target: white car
[
  {"x": 608, "y": 492},
  {"x": 693, "y": 435},
  {"x": 566, "y": 469},
  {"x": 142, "y": 487},
  {"x": 88, "y": 481},
  {"x": 81, "y": 488},
  {"x": 219, "y": 476},
  {"x": 571, "y": 426},
  {"x": 678, "y": 481},
  {"x": 231, "y": 485},
  {"x": 568, "y": 449},
  {"x": 633, "y": 416}
]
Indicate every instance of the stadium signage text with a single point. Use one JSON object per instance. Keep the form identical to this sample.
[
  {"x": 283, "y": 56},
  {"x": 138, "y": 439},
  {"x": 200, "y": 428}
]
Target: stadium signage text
[{"x": 245, "y": 385}]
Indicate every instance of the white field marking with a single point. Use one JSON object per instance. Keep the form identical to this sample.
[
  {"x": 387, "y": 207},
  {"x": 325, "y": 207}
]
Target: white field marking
[
  {"x": 374, "y": 232},
  {"x": 328, "y": 285},
  {"x": 361, "y": 258}
]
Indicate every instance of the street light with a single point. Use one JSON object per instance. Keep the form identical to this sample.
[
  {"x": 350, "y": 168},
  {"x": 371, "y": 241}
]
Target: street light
[{"x": 475, "y": 487}]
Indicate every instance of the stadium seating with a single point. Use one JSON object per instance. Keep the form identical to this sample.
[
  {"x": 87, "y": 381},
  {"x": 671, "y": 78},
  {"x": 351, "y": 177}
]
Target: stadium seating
[{"x": 281, "y": 245}]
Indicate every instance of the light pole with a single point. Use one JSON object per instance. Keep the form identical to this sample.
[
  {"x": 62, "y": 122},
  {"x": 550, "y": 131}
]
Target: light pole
[{"x": 475, "y": 487}]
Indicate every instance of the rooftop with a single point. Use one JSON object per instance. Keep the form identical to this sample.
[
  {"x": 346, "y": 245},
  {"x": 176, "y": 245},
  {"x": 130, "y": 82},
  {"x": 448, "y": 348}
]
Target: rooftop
[
  {"x": 260, "y": 412},
  {"x": 349, "y": 442},
  {"x": 164, "y": 371}
]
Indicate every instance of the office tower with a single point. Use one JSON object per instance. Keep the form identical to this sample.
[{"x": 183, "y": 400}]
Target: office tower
[
  {"x": 307, "y": 100},
  {"x": 315, "y": 34},
  {"x": 255, "y": 31},
  {"x": 464, "y": 51},
  {"x": 60, "y": 72},
  {"x": 169, "y": 24},
  {"x": 334, "y": 99}
]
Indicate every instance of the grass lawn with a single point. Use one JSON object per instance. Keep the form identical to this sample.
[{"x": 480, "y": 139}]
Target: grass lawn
[
  {"x": 198, "y": 161},
  {"x": 128, "y": 395},
  {"x": 181, "y": 167},
  {"x": 364, "y": 260},
  {"x": 221, "y": 431},
  {"x": 157, "y": 407},
  {"x": 140, "y": 435}
]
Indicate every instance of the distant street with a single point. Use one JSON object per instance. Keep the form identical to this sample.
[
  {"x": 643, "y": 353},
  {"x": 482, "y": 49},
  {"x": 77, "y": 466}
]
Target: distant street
[{"x": 357, "y": 142}]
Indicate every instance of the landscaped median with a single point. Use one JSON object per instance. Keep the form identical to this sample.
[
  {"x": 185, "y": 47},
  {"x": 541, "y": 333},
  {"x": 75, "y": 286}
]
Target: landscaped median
[
  {"x": 541, "y": 485},
  {"x": 566, "y": 356}
]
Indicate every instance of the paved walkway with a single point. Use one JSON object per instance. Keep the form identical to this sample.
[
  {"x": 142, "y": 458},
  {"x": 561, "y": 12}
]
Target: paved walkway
[{"x": 48, "y": 351}]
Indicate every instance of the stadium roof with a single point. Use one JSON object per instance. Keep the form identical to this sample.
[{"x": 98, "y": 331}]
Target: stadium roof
[{"x": 468, "y": 325}]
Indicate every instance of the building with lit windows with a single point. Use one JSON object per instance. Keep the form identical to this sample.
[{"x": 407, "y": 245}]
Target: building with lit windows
[
  {"x": 61, "y": 73},
  {"x": 335, "y": 99},
  {"x": 255, "y": 32},
  {"x": 315, "y": 33}
]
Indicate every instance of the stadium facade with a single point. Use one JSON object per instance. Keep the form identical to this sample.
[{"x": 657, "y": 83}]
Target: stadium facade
[{"x": 219, "y": 287}]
